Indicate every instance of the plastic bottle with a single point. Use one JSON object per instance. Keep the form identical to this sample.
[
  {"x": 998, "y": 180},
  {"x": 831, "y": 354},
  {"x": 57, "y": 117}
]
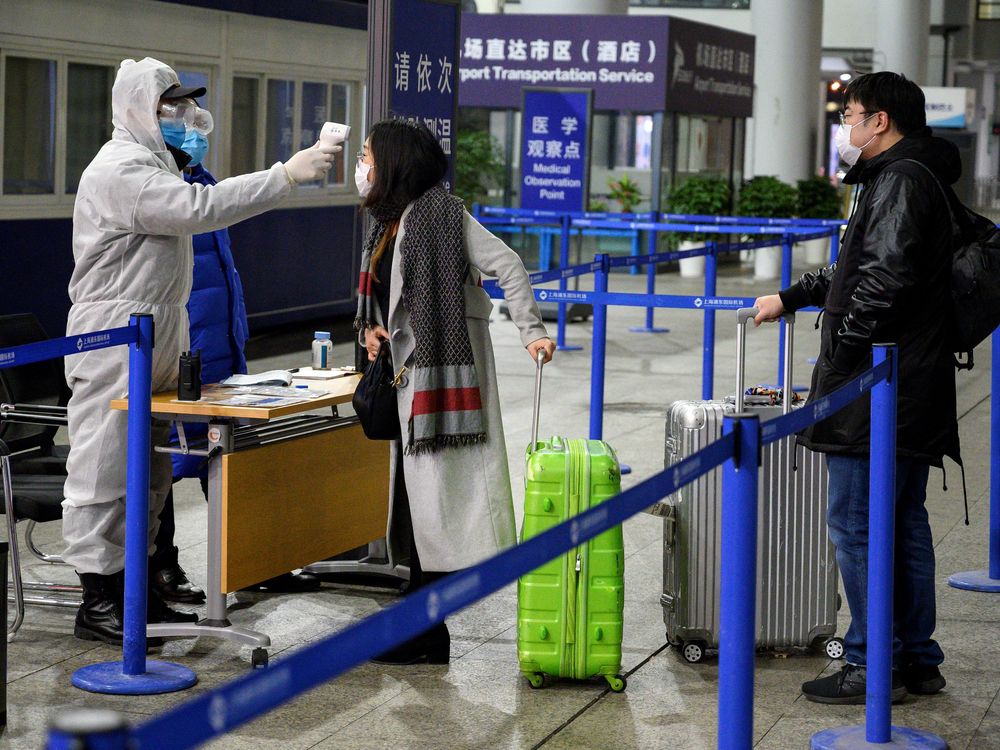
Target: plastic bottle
[{"x": 322, "y": 351}]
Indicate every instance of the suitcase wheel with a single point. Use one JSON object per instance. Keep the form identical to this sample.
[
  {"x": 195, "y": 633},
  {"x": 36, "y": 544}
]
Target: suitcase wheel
[
  {"x": 536, "y": 680},
  {"x": 694, "y": 651},
  {"x": 258, "y": 658},
  {"x": 834, "y": 648},
  {"x": 617, "y": 682}
]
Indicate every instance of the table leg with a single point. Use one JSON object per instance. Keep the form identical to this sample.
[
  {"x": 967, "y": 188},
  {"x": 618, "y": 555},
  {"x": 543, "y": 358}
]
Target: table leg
[{"x": 216, "y": 623}]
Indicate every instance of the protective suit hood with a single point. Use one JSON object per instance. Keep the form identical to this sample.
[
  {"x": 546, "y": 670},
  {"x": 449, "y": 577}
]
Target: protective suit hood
[{"x": 134, "y": 98}]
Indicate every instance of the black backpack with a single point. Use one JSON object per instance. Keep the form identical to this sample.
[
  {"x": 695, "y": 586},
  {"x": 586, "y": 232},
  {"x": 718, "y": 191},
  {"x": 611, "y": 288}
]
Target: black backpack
[{"x": 975, "y": 275}]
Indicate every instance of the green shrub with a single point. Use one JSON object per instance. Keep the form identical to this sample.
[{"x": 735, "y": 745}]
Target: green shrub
[
  {"x": 817, "y": 199},
  {"x": 479, "y": 165},
  {"x": 766, "y": 197},
  {"x": 699, "y": 195}
]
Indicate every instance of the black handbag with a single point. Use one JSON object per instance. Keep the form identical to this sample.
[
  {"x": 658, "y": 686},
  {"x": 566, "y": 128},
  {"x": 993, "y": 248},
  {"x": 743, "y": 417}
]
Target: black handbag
[{"x": 375, "y": 398}]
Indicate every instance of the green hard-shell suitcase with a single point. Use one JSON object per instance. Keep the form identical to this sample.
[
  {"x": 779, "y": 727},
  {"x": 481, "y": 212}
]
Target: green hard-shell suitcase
[{"x": 570, "y": 610}]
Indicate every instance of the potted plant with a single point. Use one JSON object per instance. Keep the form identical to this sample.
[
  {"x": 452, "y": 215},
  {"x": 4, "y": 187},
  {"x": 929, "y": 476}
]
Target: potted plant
[
  {"x": 817, "y": 199},
  {"x": 697, "y": 195},
  {"x": 479, "y": 165},
  {"x": 767, "y": 197},
  {"x": 626, "y": 192}
]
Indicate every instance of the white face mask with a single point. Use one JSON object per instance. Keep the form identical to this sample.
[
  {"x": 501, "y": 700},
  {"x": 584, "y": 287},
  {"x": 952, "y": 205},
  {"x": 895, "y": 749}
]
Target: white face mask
[
  {"x": 361, "y": 178},
  {"x": 847, "y": 150}
]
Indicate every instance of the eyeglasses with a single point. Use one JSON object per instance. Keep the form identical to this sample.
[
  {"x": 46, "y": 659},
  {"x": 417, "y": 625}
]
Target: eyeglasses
[
  {"x": 361, "y": 155},
  {"x": 843, "y": 117}
]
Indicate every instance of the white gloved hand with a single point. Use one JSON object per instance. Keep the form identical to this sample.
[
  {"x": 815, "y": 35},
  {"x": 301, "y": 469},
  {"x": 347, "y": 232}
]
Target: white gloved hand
[{"x": 311, "y": 163}]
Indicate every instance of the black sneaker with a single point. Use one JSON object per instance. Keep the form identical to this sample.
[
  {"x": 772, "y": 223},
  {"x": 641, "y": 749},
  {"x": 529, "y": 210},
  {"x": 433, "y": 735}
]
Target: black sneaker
[
  {"x": 923, "y": 680},
  {"x": 848, "y": 687}
]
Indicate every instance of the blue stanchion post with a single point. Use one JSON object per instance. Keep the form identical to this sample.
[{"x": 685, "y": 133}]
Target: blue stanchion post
[
  {"x": 786, "y": 281},
  {"x": 564, "y": 223},
  {"x": 708, "y": 324},
  {"x": 989, "y": 580},
  {"x": 738, "y": 580},
  {"x": 599, "y": 350},
  {"x": 90, "y": 728},
  {"x": 650, "y": 287},
  {"x": 133, "y": 675},
  {"x": 834, "y": 245},
  {"x": 878, "y": 727},
  {"x": 635, "y": 252},
  {"x": 881, "y": 537}
]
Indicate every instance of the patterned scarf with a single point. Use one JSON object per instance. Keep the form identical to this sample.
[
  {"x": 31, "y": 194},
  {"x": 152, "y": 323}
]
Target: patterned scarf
[{"x": 447, "y": 408}]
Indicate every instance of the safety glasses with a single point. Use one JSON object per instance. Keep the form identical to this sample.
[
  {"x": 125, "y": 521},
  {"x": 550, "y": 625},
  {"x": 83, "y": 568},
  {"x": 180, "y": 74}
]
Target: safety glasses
[{"x": 187, "y": 114}]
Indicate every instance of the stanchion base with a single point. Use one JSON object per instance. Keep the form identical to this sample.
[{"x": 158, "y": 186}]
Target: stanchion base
[
  {"x": 625, "y": 469},
  {"x": 975, "y": 580},
  {"x": 108, "y": 677},
  {"x": 647, "y": 329},
  {"x": 853, "y": 738},
  {"x": 569, "y": 348}
]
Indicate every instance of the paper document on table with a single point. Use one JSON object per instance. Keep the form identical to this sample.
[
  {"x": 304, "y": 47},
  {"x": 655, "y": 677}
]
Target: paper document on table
[
  {"x": 250, "y": 399},
  {"x": 271, "y": 377},
  {"x": 308, "y": 373}
]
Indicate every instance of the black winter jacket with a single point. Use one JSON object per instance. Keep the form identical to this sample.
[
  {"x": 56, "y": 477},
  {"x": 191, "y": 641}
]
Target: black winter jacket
[{"x": 890, "y": 284}]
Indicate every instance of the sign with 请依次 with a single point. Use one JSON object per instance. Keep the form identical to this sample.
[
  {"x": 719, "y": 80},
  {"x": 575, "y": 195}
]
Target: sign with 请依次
[
  {"x": 555, "y": 141},
  {"x": 423, "y": 84}
]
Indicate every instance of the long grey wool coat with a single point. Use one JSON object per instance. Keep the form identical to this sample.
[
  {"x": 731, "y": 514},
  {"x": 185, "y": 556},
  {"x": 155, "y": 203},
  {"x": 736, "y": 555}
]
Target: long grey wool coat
[{"x": 460, "y": 498}]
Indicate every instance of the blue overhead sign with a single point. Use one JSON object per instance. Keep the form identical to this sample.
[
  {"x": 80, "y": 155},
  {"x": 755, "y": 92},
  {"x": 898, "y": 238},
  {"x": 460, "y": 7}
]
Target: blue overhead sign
[
  {"x": 555, "y": 140},
  {"x": 424, "y": 59}
]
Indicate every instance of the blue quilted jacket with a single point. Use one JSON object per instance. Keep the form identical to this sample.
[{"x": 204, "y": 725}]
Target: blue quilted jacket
[{"x": 218, "y": 318}]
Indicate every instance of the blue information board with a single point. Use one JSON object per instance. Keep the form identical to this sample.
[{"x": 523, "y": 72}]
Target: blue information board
[
  {"x": 555, "y": 148},
  {"x": 424, "y": 60}
]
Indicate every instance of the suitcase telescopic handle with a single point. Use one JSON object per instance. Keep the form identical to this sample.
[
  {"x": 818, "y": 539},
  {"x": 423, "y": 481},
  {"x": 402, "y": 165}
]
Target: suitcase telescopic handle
[
  {"x": 743, "y": 316},
  {"x": 538, "y": 398}
]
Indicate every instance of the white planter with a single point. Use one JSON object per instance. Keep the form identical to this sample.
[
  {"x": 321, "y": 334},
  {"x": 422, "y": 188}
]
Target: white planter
[
  {"x": 692, "y": 267},
  {"x": 767, "y": 263},
  {"x": 817, "y": 251}
]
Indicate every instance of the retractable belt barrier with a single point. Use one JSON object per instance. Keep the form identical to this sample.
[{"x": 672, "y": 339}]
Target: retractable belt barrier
[
  {"x": 200, "y": 719},
  {"x": 132, "y": 674}
]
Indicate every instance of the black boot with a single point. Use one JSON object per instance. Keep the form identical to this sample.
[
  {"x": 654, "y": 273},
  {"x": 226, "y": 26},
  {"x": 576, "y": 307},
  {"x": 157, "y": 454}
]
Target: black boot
[
  {"x": 172, "y": 584},
  {"x": 100, "y": 617},
  {"x": 157, "y": 610},
  {"x": 430, "y": 647}
]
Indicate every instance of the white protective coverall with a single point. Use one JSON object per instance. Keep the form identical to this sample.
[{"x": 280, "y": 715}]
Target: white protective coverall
[{"x": 132, "y": 225}]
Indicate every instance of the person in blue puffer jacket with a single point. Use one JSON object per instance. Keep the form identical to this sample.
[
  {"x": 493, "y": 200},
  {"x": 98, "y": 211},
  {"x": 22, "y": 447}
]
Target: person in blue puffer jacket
[{"x": 218, "y": 324}]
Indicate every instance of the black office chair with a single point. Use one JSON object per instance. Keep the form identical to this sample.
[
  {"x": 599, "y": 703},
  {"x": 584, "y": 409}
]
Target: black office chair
[{"x": 32, "y": 408}]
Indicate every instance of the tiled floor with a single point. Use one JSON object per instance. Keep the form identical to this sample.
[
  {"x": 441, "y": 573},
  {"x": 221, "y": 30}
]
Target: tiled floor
[{"x": 480, "y": 700}]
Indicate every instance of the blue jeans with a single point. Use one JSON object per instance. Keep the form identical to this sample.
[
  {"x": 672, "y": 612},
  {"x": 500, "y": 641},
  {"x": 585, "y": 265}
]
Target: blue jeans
[{"x": 913, "y": 592}]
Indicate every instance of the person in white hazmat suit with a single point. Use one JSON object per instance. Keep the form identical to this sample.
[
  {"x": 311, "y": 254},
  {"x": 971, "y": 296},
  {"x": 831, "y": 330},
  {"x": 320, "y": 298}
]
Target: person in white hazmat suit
[{"x": 132, "y": 224}]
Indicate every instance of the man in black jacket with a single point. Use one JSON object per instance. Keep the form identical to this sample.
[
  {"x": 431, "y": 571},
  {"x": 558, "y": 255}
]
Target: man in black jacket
[{"x": 890, "y": 284}]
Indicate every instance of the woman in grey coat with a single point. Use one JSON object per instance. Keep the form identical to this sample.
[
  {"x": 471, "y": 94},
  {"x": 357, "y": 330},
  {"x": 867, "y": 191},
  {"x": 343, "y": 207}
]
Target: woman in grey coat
[{"x": 420, "y": 290}]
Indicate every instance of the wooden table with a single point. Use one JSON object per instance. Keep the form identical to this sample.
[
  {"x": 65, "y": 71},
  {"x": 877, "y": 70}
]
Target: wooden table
[{"x": 286, "y": 487}]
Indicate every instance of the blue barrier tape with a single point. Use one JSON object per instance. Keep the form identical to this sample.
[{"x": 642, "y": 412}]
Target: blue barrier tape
[
  {"x": 699, "y": 228},
  {"x": 198, "y": 720},
  {"x": 814, "y": 411},
  {"x": 41, "y": 351},
  {"x": 641, "y": 260},
  {"x": 668, "y": 217}
]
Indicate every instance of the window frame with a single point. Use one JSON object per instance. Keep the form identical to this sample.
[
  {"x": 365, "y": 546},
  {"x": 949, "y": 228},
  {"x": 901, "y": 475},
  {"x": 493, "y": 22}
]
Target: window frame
[{"x": 342, "y": 193}]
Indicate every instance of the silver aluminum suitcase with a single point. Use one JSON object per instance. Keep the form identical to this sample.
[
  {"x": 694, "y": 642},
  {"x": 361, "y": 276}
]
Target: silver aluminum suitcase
[{"x": 797, "y": 598}]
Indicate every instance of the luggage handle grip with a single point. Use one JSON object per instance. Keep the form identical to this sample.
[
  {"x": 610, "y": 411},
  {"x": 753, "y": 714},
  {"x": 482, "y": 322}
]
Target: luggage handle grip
[
  {"x": 743, "y": 316},
  {"x": 538, "y": 398}
]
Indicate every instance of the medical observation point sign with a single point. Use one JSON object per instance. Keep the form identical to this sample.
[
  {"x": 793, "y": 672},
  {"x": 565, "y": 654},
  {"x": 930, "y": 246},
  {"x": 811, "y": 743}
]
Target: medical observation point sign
[{"x": 555, "y": 142}]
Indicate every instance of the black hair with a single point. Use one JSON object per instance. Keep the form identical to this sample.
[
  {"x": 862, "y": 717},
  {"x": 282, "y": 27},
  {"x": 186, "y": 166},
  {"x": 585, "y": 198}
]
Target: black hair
[
  {"x": 892, "y": 93},
  {"x": 409, "y": 161}
]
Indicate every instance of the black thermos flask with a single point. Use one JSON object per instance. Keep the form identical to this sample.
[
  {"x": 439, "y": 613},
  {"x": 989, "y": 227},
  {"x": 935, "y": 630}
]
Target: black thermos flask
[{"x": 189, "y": 379}]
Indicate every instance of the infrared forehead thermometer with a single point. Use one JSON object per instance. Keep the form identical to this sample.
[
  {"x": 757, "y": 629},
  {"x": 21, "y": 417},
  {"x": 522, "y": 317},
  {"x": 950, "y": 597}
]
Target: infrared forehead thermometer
[{"x": 333, "y": 133}]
